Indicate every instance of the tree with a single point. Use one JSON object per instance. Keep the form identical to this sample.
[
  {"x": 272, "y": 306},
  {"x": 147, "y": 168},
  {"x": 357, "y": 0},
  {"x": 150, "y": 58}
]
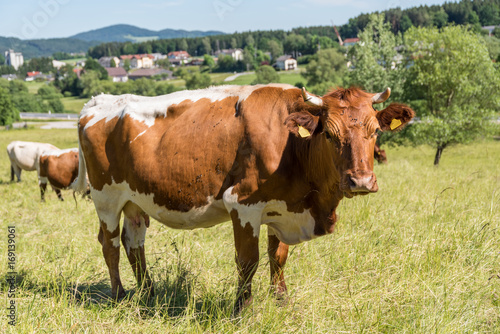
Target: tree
[
  {"x": 8, "y": 113},
  {"x": 325, "y": 71},
  {"x": 451, "y": 82},
  {"x": 276, "y": 49},
  {"x": 197, "y": 80},
  {"x": 208, "y": 61},
  {"x": 91, "y": 84},
  {"x": 374, "y": 59},
  {"x": 93, "y": 65},
  {"x": 266, "y": 74}
]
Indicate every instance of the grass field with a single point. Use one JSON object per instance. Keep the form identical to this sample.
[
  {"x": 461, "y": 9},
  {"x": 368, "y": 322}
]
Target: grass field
[
  {"x": 290, "y": 77},
  {"x": 419, "y": 256},
  {"x": 73, "y": 104}
]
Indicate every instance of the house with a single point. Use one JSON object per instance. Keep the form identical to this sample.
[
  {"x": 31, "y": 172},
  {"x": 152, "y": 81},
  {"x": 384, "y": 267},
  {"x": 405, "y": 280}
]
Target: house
[
  {"x": 58, "y": 64},
  {"x": 78, "y": 72},
  {"x": 31, "y": 76},
  {"x": 14, "y": 59},
  {"x": 178, "y": 55},
  {"x": 158, "y": 56},
  {"x": 118, "y": 74},
  {"x": 490, "y": 29},
  {"x": 286, "y": 63},
  {"x": 9, "y": 77},
  {"x": 149, "y": 73},
  {"x": 106, "y": 61},
  {"x": 350, "y": 42},
  {"x": 137, "y": 61},
  {"x": 237, "y": 54}
]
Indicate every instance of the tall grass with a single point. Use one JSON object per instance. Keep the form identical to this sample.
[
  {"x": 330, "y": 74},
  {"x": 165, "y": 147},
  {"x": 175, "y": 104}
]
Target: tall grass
[{"x": 420, "y": 256}]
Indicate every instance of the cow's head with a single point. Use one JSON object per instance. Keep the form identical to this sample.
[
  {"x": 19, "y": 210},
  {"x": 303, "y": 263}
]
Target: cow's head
[{"x": 339, "y": 130}]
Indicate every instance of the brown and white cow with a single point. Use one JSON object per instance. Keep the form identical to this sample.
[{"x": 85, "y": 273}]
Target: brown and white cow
[
  {"x": 272, "y": 155},
  {"x": 59, "y": 168},
  {"x": 25, "y": 155}
]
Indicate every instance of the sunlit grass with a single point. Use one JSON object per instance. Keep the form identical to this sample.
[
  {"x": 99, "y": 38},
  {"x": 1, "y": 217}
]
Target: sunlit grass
[{"x": 419, "y": 256}]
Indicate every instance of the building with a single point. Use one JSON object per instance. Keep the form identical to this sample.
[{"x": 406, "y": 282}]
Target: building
[
  {"x": 178, "y": 55},
  {"x": 286, "y": 63},
  {"x": 149, "y": 73},
  {"x": 106, "y": 61},
  {"x": 14, "y": 59},
  {"x": 9, "y": 77},
  {"x": 118, "y": 74},
  {"x": 237, "y": 54},
  {"x": 58, "y": 64},
  {"x": 350, "y": 42},
  {"x": 137, "y": 61}
]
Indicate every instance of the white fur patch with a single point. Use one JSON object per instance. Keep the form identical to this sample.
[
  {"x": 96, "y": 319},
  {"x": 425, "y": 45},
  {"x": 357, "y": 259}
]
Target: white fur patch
[
  {"x": 58, "y": 153},
  {"x": 26, "y": 155},
  {"x": 116, "y": 241},
  {"x": 291, "y": 228},
  {"x": 42, "y": 180},
  {"x": 134, "y": 236},
  {"x": 112, "y": 198},
  {"x": 146, "y": 109}
]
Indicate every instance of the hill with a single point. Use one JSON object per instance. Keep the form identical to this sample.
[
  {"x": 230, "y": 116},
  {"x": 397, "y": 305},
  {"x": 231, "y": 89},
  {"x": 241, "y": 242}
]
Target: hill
[
  {"x": 45, "y": 47},
  {"x": 129, "y": 33}
]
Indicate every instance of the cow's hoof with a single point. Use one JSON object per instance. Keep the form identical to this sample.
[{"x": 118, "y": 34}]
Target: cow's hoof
[
  {"x": 241, "y": 304},
  {"x": 118, "y": 296},
  {"x": 61, "y": 199}
]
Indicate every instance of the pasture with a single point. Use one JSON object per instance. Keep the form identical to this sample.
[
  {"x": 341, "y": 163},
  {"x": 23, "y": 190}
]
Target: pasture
[{"x": 419, "y": 256}]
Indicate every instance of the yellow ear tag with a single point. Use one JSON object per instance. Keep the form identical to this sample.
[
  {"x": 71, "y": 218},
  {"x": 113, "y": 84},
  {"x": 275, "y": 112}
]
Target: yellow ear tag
[
  {"x": 303, "y": 132},
  {"x": 395, "y": 123}
]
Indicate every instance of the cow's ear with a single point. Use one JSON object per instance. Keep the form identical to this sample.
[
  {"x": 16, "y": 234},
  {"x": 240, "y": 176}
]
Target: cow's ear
[
  {"x": 303, "y": 124},
  {"x": 395, "y": 117}
]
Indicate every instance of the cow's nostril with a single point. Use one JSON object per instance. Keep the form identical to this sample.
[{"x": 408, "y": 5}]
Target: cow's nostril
[{"x": 351, "y": 183}]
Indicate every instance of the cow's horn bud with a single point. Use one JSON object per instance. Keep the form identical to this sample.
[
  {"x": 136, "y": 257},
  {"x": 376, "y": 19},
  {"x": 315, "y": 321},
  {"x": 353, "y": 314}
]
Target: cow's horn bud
[
  {"x": 311, "y": 99},
  {"x": 381, "y": 97}
]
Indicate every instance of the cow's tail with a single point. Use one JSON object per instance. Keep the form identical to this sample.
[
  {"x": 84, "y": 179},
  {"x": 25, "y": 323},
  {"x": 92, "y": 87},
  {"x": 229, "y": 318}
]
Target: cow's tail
[{"x": 80, "y": 184}]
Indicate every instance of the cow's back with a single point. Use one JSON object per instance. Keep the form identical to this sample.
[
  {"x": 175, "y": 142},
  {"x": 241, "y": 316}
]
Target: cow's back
[{"x": 26, "y": 154}]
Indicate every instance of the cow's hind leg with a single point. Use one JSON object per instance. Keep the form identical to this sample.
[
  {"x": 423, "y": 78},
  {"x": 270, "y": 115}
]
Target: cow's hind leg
[
  {"x": 133, "y": 236},
  {"x": 109, "y": 237},
  {"x": 246, "y": 240},
  {"x": 278, "y": 254},
  {"x": 43, "y": 188},
  {"x": 15, "y": 170},
  {"x": 59, "y": 194}
]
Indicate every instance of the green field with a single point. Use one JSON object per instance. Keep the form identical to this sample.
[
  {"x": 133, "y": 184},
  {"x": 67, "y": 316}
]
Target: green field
[
  {"x": 291, "y": 77},
  {"x": 419, "y": 256},
  {"x": 73, "y": 104}
]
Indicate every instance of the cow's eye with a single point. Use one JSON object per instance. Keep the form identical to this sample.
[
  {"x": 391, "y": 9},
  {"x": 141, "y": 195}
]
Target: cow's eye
[
  {"x": 376, "y": 133},
  {"x": 328, "y": 136}
]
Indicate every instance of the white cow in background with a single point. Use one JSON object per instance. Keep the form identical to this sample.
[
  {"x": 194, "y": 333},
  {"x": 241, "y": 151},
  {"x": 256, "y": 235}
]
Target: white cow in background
[{"x": 25, "y": 155}]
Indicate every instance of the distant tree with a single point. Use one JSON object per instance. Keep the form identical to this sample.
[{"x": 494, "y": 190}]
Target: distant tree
[
  {"x": 183, "y": 45},
  {"x": 197, "y": 80},
  {"x": 374, "y": 59},
  {"x": 8, "y": 113},
  {"x": 325, "y": 71},
  {"x": 26, "y": 102},
  {"x": 440, "y": 18},
  {"x": 2, "y": 59},
  {"x": 144, "y": 87},
  {"x": 249, "y": 57},
  {"x": 294, "y": 44},
  {"x": 126, "y": 65},
  {"x": 208, "y": 61},
  {"x": 47, "y": 92},
  {"x": 163, "y": 63},
  {"x": 453, "y": 79},
  {"x": 163, "y": 88},
  {"x": 405, "y": 23},
  {"x": 55, "y": 105},
  {"x": 493, "y": 45},
  {"x": 93, "y": 65},
  {"x": 112, "y": 63},
  {"x": 276, "y": 49},
  {"x": 17, "y": 86},
  {"x": 226, "y": 63},
  {"x": 266, "y": 74},
  {"x": 207, "y": 48},
  {"x": 91, "y": 84}
]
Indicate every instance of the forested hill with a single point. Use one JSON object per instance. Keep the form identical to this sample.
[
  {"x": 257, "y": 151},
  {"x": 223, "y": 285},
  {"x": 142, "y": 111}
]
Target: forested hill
[
  {"x": 44, "y": 47},
  {"x": 125, "y": 32},
  {"x": 305, "y": 40}
]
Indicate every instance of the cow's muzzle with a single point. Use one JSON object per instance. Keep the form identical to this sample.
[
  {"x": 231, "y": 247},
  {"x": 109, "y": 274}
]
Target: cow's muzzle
[{"x": 362, "y": 183}]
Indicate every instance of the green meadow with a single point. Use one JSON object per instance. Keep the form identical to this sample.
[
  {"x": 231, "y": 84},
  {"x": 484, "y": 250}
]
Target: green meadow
[{"x": 419, "y": 256}]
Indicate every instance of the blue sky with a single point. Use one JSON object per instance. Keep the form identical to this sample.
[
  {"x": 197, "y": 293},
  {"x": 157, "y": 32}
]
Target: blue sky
[{"x": 29, "y": 19}]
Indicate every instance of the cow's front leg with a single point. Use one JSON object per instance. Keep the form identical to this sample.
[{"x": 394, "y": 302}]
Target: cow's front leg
[
  {"x": 133, "y": 237},
  {"x": 278, "y": 253},
  {"x": 246, "y": 240},
  {"x": 110, "y": 241}
]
